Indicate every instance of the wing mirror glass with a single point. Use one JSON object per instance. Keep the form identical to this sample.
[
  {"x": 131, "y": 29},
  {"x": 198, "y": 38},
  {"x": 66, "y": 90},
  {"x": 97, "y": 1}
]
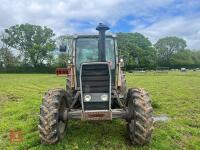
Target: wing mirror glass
[{"x": 63, "y": 48}]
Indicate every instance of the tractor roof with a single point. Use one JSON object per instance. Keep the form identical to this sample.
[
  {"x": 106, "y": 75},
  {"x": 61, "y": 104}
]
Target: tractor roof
[{"x": 92, "y": 36}]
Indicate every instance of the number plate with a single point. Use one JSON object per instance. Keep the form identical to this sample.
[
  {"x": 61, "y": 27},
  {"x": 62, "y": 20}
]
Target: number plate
[{"x": 96, "y": 115}]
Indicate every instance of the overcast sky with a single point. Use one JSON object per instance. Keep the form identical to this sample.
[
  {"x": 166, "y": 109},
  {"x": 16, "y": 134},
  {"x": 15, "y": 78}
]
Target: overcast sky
[{"x": 153, "y": 18}]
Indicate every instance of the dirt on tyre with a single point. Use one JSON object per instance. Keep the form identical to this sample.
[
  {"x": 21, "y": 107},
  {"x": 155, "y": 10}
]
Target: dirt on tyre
[
  {"x": 140, "y": 121},
  {"x": 51, "y": 126}
]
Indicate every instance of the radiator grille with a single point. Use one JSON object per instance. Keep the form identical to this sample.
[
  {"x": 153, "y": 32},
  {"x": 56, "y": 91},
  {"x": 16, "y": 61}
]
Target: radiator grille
[{"x": 95, "y": 78}]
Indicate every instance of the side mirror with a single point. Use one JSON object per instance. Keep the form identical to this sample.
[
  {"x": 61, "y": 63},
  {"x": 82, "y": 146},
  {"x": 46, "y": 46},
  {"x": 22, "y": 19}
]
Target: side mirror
[
  {"x": 121, "y": 61},
  {"x": 63, "y": 48}
]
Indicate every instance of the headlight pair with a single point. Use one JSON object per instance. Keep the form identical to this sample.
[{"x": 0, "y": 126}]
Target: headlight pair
[{"x": 103, "y": 97}]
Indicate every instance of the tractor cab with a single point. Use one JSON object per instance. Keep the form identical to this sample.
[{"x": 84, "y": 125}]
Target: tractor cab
[
  {"x": 87, "y": 50},
  {"x": 93, "y": 49}
]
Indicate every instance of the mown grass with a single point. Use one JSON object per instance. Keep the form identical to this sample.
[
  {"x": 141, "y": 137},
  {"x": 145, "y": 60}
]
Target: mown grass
[{"x": 175, "y": 94}]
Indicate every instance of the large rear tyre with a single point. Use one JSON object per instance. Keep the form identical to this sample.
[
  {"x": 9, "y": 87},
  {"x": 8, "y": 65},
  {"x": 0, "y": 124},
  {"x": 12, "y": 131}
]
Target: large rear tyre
[
  {"x": 140, "y": 122},
  {"x": 51, "y": 126}
]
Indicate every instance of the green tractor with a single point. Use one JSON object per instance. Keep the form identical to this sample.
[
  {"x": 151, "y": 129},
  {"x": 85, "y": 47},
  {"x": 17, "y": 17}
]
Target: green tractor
[{"x": 95, "y": 90}]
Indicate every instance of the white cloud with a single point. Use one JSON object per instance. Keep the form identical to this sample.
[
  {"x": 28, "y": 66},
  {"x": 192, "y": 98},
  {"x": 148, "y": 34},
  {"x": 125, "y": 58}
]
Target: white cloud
[
  {"x": 56, "y": 12},
  {"x": 69, "y": 16},
  {"x": 186, "y": 27}
]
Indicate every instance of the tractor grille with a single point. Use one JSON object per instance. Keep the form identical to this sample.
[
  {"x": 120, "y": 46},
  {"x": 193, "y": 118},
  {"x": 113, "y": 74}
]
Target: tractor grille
[{"x": 95, "y": 78}]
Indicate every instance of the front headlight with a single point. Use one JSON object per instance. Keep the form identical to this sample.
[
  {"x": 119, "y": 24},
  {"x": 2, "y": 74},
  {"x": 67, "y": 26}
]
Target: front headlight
[
  {"x": 87, "y": 98},
  {"x": 104, "y": 97}
]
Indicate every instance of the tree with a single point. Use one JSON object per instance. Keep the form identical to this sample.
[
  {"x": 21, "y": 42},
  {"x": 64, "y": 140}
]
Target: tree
[
  {"x": 166, "y": 47},
  {"x": 182, "y": 58},
  {"x": 7, "y": 59},
  {"x": 34, "y": 42},
  {"x": 196, "y": 58},
  {"x": 62, "y": 60},
  {"x": 137, "y": 50}
]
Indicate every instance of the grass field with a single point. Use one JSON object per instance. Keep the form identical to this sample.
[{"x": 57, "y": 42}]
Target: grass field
[{"x": 175, "y": 94}]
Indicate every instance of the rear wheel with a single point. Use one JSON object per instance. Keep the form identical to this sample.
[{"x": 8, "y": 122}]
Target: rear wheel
[
  {"x": 140, "y": 122},
  {"x": 51, "y": 126}
]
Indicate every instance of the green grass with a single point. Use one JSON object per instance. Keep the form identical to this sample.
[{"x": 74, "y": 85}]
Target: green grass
[{"x": 175, "y": 94}]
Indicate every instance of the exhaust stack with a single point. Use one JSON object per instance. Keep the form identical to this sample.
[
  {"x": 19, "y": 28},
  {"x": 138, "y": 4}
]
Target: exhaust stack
[{"x": 102, "y": 29}]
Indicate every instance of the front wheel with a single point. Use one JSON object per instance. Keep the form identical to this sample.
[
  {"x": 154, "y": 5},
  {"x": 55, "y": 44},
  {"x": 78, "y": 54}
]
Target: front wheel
[
  {"x": 51, "y": 126},
  {"x": 140, "y": 122}
]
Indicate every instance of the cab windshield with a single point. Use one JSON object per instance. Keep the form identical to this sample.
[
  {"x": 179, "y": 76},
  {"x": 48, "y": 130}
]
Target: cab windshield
[{"x": 87, "y": 51}]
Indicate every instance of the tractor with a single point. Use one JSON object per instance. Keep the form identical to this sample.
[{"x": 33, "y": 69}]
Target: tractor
[{"x": 95, "y": 91}]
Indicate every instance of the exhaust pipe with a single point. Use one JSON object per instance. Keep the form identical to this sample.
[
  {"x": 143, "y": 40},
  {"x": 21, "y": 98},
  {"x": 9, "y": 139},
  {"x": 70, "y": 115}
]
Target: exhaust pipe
[{"x": 102, "y": 29}]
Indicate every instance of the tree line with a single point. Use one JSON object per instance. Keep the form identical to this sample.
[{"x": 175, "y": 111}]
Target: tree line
[
  {"x": 33, "y": 47},
  {"x": 171, "y": 52}
]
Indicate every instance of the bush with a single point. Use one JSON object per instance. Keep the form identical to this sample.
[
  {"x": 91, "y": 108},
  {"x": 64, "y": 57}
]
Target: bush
[{"x": 28, "y": 69}]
